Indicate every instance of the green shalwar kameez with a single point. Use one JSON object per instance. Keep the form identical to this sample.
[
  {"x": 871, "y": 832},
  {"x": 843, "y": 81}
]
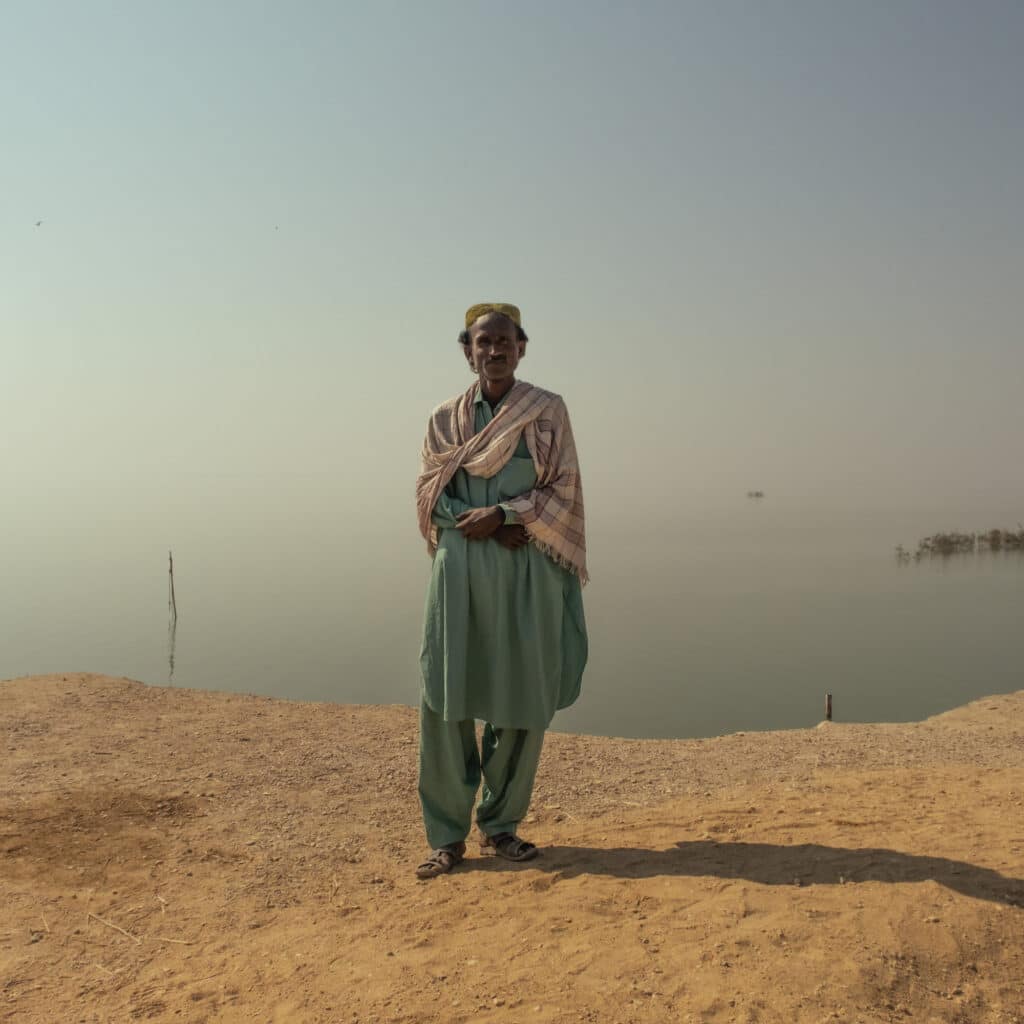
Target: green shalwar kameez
[{"x": 504, "y": 641}]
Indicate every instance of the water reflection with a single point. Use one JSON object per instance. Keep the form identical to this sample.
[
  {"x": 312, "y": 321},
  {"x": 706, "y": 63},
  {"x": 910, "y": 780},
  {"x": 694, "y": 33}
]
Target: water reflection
[
  {"x": 172, "y": 633},
  {"x": 738, "y": 623}
]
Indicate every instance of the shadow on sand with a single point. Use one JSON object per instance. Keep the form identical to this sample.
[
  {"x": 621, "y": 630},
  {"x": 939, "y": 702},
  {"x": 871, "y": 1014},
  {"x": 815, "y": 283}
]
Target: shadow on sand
[{"x": 769, "y": 864}]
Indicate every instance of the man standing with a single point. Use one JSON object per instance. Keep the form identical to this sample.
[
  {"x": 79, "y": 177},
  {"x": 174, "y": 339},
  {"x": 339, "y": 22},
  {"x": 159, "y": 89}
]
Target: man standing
[{"x": 504, "y": 638}]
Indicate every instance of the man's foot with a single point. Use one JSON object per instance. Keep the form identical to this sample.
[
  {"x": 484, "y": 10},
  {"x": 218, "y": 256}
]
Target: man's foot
[
  {"x": 509, "y": 846},
  {"x": 442, "y": 860}
]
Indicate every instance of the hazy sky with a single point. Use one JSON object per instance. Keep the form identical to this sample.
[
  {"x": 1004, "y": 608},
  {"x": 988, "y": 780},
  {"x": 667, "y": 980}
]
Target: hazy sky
[{"x": 775, "y": 245}]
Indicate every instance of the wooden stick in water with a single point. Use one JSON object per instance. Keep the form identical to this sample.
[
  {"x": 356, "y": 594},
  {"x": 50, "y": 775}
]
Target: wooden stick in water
[{"x": 172, "y": 605}]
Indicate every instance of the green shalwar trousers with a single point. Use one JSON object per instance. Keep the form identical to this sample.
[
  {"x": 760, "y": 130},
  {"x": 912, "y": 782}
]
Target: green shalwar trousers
[{"x": 450, "y": 770}]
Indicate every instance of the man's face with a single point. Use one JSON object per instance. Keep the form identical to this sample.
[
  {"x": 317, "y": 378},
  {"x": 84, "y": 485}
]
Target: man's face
[{"x": 494, "y": 349}]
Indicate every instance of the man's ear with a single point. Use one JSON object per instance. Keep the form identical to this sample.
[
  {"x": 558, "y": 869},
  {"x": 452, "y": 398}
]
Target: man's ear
[{"x": 522, "y": 348}]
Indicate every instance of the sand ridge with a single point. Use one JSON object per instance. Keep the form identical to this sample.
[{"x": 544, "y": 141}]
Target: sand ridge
[{"x": 184, "y": 855}]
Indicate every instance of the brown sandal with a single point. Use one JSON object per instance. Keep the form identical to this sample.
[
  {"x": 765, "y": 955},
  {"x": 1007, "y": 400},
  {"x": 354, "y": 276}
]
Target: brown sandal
[
  {"x": 442, "y": 860},
  {"x": 509, "y": 846}
]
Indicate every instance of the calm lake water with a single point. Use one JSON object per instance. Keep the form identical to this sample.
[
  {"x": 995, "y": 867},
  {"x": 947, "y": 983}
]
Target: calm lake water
[{"x": 707, "y": 624}]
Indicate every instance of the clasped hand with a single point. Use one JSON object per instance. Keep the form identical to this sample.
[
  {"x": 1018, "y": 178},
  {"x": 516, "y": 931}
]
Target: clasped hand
[{"x": 481, "y": 523}]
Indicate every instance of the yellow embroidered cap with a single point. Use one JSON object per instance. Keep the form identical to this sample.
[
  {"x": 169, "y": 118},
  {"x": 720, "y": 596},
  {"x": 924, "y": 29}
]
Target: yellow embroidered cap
[{"x": 505, "y": 308}]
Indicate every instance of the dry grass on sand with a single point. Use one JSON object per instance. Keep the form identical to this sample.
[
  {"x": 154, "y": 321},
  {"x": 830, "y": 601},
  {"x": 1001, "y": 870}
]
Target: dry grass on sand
[{"x": 181, "y": 855}]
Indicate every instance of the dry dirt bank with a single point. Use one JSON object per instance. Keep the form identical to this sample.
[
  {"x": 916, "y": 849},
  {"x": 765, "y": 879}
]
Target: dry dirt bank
[{"x": 182, "y": 855}]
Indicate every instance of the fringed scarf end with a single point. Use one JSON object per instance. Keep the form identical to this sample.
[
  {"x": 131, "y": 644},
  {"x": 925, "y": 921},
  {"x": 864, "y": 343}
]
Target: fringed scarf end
[{"x": 576, "y": 570}]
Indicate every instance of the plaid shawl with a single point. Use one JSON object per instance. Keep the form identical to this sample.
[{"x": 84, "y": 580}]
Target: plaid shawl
[{"x": 553, "y": 511}]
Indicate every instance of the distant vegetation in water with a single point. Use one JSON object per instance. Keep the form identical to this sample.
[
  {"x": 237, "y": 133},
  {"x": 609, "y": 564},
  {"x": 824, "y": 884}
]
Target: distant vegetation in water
[
  {"x": 956, "y": 543},
  {"x": 755, "y": 494}
]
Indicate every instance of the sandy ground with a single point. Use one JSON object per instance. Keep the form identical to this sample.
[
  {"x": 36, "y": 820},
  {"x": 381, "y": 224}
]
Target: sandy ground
[{"x": 181, "y": 855}]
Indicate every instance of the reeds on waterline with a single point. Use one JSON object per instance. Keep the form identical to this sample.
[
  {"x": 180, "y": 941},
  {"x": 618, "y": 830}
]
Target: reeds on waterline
[{"x": 956, "y": 543}]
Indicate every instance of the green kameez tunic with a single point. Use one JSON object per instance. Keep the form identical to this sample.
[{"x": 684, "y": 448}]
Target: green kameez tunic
[{"x": 504, "y": 636}]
